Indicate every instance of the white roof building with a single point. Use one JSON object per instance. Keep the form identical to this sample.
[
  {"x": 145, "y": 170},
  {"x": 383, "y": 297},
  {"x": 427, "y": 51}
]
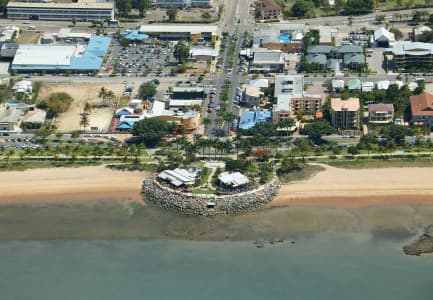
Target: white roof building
[
  {"x": 23, "y": 86},
  {"x": 337, "y": 84},
  {"x": 233, "y": 179},
  {"x": 367, "y": 86},
  {"x": 46, "y": 55},
  {"x": 382, "y": 35},
  {"x": 383, "y": 84},
  {"x": 179, "y": 176}
]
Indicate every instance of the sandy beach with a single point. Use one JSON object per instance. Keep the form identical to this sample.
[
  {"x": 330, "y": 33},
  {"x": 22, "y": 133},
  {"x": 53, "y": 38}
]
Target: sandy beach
[
  {"x": 56, "y": 185},
  {"x": 359, "y": 187}
]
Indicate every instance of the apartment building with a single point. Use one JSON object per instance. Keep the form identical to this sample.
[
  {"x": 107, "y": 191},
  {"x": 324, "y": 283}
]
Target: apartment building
[
  {"x": 269, "y": 10},
  {"x": 309, "y": 105},
  {"x": 380, "y": 113},
  {"x": 51, "y": 11},
  {"x": 345, "y": 113},
  {"x": 182, "y": 3},
  {"x": 408, "y": 55}
]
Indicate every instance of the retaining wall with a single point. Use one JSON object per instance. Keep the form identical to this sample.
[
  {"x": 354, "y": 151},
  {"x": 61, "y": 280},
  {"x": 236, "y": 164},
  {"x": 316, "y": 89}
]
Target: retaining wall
[{"x": 195, "y": 204}]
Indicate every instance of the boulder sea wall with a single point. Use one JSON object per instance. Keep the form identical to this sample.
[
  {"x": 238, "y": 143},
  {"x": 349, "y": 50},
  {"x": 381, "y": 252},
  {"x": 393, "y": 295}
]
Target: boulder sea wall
[{"x": 202, "y": 204}]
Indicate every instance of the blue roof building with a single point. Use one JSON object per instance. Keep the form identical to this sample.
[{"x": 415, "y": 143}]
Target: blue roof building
[
  {"x": 250, "y": 118},
  {"x": 134, "y": 35},
  {"x": 53, "y": 58}
]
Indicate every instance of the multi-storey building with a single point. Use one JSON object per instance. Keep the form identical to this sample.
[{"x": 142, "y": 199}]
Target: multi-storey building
[
  {"x": 345, "y": 113},
  {"x": 309, "y": 105},
  {"x": 422, "y": 109},
  {"x": 380, "y": 113},
  {"x": 182, "y": 3},
  {"x": 408, "y": 55},
  {"x": 80, "y": 11},
  {"x": 269, "y": 10}
]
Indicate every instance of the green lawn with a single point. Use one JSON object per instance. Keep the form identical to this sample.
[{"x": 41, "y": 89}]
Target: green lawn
[
  {"x": 203, "y": 192},
  {"x": 381, "y": 163}
]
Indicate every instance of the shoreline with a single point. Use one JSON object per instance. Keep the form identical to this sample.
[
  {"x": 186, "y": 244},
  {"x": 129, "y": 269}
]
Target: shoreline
[{"x": 332, "y": 187}]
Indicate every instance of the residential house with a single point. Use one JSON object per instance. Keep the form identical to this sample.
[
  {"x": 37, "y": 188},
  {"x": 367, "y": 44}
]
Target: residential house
[
  {"x": 350, "y": 56},
  {"x": 269, "y": 10},
  {"x": 345, "y": 113},
  {"x": 367, "y": 86},
  {"x": 337, "y": 85},
  {"x": 354, "y": 85},
  {"x": 251, "y": 96},
  {"x": 422, "y": 109},
  {"x": 380, "y": 113}
]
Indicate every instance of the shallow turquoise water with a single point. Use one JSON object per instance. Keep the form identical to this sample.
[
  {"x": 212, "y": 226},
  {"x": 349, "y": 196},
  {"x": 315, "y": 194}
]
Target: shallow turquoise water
[{"x": 330, "y": 266}]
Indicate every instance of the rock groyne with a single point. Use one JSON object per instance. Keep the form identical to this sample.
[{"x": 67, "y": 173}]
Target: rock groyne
[
  {"x": 202, "y": 204},
  {"x": 423, "y": 244}
]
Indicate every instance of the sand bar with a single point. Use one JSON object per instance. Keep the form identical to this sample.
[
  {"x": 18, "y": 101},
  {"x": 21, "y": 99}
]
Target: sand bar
[
  {"x": 82, "y": 184},
  {"x": 360, "y": 187}
]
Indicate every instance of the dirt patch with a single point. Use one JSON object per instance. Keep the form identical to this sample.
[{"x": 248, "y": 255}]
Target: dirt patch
[
  {"x": 81, "y": 93},
  {"x": 28, "y": 37}
]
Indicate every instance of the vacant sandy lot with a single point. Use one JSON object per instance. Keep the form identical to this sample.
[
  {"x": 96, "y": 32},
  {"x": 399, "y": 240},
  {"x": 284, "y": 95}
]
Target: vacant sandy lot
[{"x": 70, "y": 120}]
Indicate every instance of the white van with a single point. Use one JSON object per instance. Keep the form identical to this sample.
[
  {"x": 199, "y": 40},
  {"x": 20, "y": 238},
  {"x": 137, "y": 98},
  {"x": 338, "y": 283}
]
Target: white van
[{"x": 31, "y": 27}]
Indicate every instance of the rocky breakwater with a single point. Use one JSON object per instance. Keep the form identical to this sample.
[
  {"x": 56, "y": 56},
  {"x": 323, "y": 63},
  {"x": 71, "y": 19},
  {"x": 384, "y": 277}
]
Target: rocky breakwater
[
  {"x": 423, "y": 244},
  {"x": 201, "y": 204}
]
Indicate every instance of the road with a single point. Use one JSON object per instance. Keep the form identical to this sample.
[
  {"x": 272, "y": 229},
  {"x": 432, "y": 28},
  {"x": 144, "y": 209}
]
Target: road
[{"x": 235, "y": 20}]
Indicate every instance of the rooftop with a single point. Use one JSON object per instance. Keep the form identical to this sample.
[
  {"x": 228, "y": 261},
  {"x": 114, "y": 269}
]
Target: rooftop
[
  {"x": 381, "y": 107},
  {"x": 187, "y": 28},
  {"x": 422, "y": 105},
  {"x": 10, "y": 115},
  {"x": 412, "y": 48},
  {"x": 250, "y": 118},
  {"x": 354, "y": 84},
  {"x": 351, "y": 104},
  {"x": 265, "y": 56},
  {"x": 79, "y": 4},
  {"x": 233, "y": 179},
  {"x": 179, "y": 176}
]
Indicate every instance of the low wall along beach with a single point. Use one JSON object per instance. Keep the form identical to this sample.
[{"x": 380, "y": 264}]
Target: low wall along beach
[{"x": 201, "y": 204}]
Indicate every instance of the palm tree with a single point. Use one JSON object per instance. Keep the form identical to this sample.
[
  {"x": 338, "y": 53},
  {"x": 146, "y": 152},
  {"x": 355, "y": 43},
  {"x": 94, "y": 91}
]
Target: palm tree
[
  {"x": 110, "y": 96},
  {"x": 102, "y": 93},
  {"x": 429, "y": 145}
]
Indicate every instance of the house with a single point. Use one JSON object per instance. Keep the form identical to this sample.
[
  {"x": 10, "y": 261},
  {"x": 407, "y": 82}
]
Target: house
[
  {"x": 422, "y": 109},
  {"x": 267, "y": 61},
  {"x": 180, "y": 176},
  {"x": 269, "y": 10},
  {"x": 354, "y": 85},
  {"x": 8, "y": 50},
  {"x": 34, "y": 118},
  {"x": 380, "y": 113},
  {"x": 383, "y": 38},
  {"x": 10, "y": 118},
  {"x": 261, "y": 83},
  {"x": 249, "y": 119},
  {"x": 412, "y": 55},
  {"x": 345, "y": 113},
  {"x": 351, "y": 56},
  {"x": 23, "y": 86},
  {"x": 233, "y": 179},
  {"x": 337, "y": 85},
  {"x": 367, "y": 86},
  {"x": 383, "y": 84}
]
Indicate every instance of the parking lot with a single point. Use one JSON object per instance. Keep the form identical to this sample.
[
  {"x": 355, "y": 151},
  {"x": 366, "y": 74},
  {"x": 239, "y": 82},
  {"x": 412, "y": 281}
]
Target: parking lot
[{"x": 140, "y": 59}]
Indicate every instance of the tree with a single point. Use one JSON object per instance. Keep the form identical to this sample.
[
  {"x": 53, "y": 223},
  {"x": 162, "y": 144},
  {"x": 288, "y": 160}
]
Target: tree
[
  {"x": 172, "y": 14},
  {"x": 143, "y": 7},
  {"x": 74, "y": 21},
  {"x": 151, "y": 131},
  {"x": 300, "y": 8},
  {"x": 358, "y": 7},
  {"x": 146, "y": 90},
  {"x": 123, "y": 7},
  {"x": 84, "y": 116},
  {"x": 181, "y": 52},
  {"x": 352, "y": 150},
  {"x": 317, "y": 129},
  {"x": 206, "y": 16},
  {"x": 397, "y": 33},
  {"x": 380, "y": 19},
  {"x": 58, "y": 103},
  {"x": 426, "y": 36}
]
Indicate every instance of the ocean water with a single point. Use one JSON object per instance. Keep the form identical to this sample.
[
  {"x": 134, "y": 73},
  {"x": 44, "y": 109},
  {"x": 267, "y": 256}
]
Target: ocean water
[{"x": 318, "y": 266}]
